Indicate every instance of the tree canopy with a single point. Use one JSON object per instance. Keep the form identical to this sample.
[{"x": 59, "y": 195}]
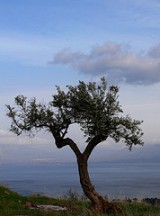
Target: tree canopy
[{"x": 95, "y": 107}]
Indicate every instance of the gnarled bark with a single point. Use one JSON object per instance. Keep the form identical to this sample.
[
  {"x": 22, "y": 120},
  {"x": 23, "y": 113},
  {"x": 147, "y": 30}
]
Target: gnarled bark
[{"x": 98, "y": 202}]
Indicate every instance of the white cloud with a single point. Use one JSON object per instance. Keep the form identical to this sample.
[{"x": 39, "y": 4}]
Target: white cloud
[
  {"x": 116, "y": 61},
  {"x": 154, "y": 52}
]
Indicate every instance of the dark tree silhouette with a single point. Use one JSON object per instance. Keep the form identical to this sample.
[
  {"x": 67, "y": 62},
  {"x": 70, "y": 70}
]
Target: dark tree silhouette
[{"x": 95, "y": 107}]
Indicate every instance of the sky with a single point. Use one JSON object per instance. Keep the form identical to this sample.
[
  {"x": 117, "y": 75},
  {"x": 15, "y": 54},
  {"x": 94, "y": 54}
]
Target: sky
[{"x": 48, "y": 43}]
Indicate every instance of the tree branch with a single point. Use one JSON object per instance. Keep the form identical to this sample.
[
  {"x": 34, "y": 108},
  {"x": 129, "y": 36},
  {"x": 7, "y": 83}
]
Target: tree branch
[
  {"x": 61, "y": 142},
  {"x": 72, "y": 145},
  {"x": 92, "y": 144}
]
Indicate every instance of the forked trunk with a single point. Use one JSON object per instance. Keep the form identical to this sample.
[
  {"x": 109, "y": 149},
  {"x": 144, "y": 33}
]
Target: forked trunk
[{"x": 98, "y": 202}]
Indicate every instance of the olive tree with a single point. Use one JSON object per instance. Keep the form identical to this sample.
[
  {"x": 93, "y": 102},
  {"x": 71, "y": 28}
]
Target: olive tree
[{"x": 95, "y": 107}]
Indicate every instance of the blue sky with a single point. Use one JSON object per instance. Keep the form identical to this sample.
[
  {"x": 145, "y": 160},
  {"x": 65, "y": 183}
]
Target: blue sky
[{"x": 48, "y": 43}]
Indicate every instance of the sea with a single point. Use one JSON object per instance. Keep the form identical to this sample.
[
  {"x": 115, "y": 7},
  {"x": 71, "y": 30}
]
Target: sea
[{"x": 114, "y": 180}]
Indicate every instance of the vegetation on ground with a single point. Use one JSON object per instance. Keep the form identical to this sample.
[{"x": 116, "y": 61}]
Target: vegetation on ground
[{"x": 13, "y": 204}]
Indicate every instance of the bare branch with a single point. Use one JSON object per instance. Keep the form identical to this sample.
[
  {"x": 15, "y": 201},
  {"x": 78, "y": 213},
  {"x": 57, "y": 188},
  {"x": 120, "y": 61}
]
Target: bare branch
[{"x": 92, "y": 144}]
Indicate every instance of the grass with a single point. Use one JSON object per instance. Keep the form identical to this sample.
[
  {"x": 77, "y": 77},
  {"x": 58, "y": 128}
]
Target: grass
[{"x": 13, "y": 204}]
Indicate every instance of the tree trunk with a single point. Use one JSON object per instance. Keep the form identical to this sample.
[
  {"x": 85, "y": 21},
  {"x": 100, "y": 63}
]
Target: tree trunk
[{"x": 98, "y": 202}]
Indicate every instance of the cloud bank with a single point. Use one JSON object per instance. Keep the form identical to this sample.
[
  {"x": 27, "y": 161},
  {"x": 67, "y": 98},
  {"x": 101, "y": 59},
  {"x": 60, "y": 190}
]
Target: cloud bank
[{"x": 115, "y": 61}]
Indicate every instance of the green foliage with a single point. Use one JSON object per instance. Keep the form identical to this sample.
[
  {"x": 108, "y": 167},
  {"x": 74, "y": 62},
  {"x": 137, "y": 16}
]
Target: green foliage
[
  {"x": 72, "y": 195},
  {"x": 12, "y": 203},
  {"x": 90, "y": 105},
  {"x": 95, "y": 107}
]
